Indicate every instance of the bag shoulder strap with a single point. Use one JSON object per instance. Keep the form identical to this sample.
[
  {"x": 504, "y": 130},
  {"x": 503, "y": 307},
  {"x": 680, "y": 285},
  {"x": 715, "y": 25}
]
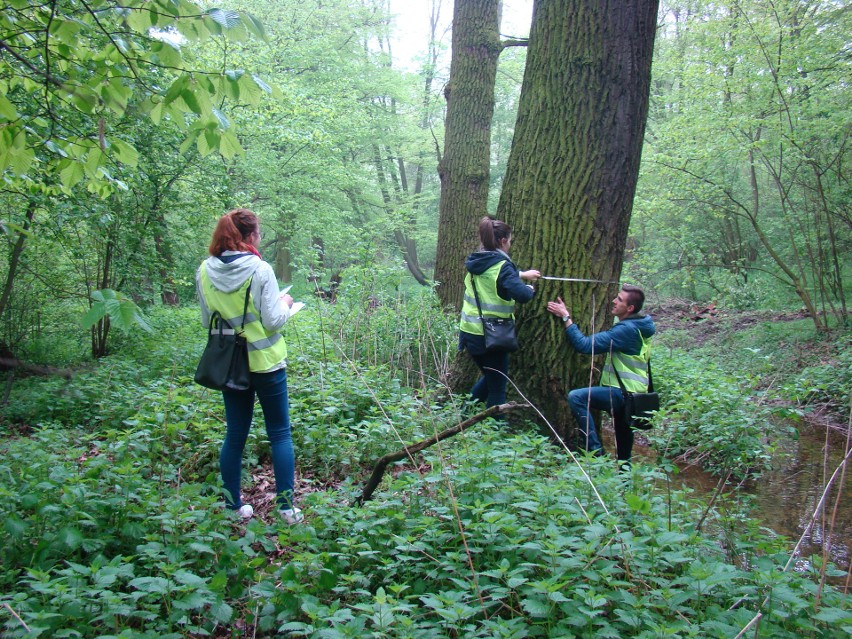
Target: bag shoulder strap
[
  {"x": 476, "y": 295},
  {"x": 217, "y": 319},
  {"x": 245, "y": 304},
  {"x": 650, "y": 376}
]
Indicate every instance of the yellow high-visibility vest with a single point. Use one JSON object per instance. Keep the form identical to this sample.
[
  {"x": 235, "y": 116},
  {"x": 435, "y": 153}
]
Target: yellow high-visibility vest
[
  {"x": 492, "y": 304},
  {"x": 633, "y": 369},
  {"x": 266, "y": 350}
]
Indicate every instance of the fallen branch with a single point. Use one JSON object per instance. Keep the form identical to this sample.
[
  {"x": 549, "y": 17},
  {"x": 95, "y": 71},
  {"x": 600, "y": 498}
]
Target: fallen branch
[
  {"x": 408, "y": 451},
  {"x": 14, "y": 364}
]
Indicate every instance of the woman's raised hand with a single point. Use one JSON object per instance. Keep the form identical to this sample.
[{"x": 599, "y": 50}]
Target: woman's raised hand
[{"x": 532, "y": 275}]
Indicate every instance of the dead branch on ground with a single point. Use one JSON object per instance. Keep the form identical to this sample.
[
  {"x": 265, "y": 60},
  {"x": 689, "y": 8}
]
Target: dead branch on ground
[{"x": 408, "y": 451}]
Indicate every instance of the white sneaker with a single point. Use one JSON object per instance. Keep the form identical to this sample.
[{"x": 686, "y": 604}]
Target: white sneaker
[
  {"x": 245, "y": 511},
  {"x": 292, "y": 515}
]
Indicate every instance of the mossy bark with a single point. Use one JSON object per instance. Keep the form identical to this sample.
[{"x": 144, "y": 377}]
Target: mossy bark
[
  {"x": 571, "y": 177},
  {"x": 464, "y": 166}
]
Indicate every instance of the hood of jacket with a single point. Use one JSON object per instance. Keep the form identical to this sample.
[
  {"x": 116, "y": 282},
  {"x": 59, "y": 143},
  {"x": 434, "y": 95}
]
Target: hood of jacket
[
  {"x": 229, "y": 271},
  {"x": 644, "y": 323},
  {"x": 479, "y": 262}
]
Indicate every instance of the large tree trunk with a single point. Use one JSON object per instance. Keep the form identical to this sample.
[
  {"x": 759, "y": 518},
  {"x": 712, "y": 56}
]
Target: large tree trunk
[
  {"x": 464, "y": 168},
  {"x": 572, "y": 175}
]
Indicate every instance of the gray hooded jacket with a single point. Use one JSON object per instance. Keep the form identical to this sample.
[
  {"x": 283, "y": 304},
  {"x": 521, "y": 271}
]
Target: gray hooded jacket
[{"x": 229, "y": 271}]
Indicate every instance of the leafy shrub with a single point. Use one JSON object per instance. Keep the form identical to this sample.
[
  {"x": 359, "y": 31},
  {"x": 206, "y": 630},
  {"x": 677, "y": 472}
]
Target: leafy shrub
[
  {"x": 504, "y": 539},
  {"x": 708, "y": 414},
  {"x": 826, "y": 383}
]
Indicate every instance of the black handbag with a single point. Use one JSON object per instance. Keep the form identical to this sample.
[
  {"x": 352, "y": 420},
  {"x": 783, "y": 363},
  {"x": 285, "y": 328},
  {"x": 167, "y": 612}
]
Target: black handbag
[
  {"x": 224, "y": 363},
  {"x": 639, "y": 407},
  {"x": 499, "y": 332}
]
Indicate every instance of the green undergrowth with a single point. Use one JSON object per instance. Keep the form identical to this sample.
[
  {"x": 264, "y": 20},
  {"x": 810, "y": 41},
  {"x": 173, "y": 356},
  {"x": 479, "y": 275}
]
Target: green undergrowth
[
  {"x": 732, "y": 404},
  {"x": 121, "y": 535},
  {"x": 113, "y": 525}
]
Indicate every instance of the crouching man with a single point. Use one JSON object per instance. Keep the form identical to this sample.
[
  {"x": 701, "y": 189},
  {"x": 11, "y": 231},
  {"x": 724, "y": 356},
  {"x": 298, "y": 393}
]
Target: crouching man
[{"x": 628, "y": 348}]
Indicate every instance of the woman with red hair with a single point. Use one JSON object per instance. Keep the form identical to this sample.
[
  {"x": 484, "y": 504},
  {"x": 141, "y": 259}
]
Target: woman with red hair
[{"x": 233, "y": 268}]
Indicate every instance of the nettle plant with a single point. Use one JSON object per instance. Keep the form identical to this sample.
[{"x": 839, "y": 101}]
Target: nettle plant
[
  {"x": 116, "y": 529},
  {"x": 504, "y": 538},
  {"x": 721, "y": 418}
]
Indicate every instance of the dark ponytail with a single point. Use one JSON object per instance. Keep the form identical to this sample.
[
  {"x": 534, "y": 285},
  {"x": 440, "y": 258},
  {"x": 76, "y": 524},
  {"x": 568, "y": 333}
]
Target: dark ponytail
[{"x": 492, "y": 233}]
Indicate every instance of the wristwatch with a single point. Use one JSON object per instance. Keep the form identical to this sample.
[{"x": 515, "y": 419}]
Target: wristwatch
[{"x": 565, "y": 318}]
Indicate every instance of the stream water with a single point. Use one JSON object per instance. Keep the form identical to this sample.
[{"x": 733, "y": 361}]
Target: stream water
[{"x": 786, "y": 498}]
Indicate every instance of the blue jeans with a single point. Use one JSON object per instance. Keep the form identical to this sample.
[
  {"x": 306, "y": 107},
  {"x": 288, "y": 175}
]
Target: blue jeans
[
  {"x": 271, "y": 390},
  {"x": 605, "y": 398},
  {"x": 491, "y": 387}
]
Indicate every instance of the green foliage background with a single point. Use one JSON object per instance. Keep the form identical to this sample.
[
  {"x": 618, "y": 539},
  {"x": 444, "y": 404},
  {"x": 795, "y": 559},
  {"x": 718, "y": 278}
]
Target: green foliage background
[{"x": 119, "y": 148}]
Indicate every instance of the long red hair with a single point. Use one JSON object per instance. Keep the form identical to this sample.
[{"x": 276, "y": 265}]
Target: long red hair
[{"x": 233, "y": 231}]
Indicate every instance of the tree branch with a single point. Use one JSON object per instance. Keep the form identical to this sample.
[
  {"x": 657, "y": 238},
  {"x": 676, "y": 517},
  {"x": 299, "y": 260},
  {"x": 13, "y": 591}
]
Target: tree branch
[
  {"x": 514, "y": 42},
  {"x": 408, "y": 451}
]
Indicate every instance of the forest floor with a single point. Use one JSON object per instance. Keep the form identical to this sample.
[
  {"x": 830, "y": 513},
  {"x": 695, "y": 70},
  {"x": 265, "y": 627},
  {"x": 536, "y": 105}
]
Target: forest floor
[
  {"x": 705, "y": 324},
  {"x": 708, "y": 322},
  {"x": 699, "y": 325}
]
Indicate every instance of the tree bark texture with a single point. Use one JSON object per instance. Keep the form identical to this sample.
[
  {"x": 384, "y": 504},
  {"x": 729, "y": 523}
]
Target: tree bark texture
[
  {"x": 571, "y": 178},
  {"x": 464, "y": 167}
]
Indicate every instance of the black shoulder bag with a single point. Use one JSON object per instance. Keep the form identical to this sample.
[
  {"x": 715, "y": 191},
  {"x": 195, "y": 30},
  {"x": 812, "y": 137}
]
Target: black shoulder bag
[
  {"x": 499, "y": 331},
  {"x": 639, "y": 407},
  {"x": 224, "y": 363}
]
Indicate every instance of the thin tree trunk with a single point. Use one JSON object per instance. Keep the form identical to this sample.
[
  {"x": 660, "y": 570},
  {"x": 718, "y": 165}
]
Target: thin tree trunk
[{"x": 15, "y": 258}]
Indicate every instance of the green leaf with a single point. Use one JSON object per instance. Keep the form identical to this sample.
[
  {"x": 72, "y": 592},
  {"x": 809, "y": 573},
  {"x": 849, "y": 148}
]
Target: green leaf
[
  {"x": 250, "y": 92},
  {"x": 84, "y": 99},
  {"x": 157, "y": 585},
  {"x": 222, "y": 612},
  {"x": 229, "y": 145},
  {"x": 228, "y": 18},
  {"x": 224, "y": 123},
  {"x": 116, "y": 95},
  {"x": 166, "y": 54},
  {"x": 255, "y": 27},
  {"x": 207, "y": 141},
  {"x": 20, "y": 160},
  {"x": 141, "y": 20},
  {"x": 71, "y": 174},
  {"x": 536, "y": 607},
  {"x": 177, "y": 88},
  {"x": 124, "y": 152},
  {"x": 64, "y": 30},
  {"x": 187, "y": 578},
  {"x": 260, "y": 83},
  {"x": 70, "y": 537},
  {"x": 121, "y": 310},
  {"x": 189, "y": 98},
  {"x": 7, "y": 109},
  {"x": 834, "y": 615}
]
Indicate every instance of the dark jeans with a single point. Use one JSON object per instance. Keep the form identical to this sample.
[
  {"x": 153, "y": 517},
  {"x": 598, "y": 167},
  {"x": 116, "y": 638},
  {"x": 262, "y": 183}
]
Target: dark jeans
[
  {"x": 271, "y": 390},
  {"x": 605, "y": 398},
  {"x": 491, "y": 387}
]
